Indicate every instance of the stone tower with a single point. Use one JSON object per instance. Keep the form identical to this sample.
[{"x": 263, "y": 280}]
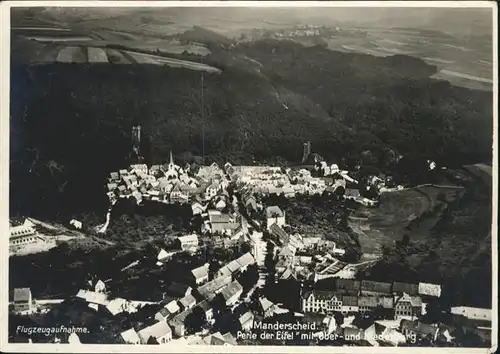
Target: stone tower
[
  {"x": 307, "y": 151},
  {"x": 136, "y": 139}
]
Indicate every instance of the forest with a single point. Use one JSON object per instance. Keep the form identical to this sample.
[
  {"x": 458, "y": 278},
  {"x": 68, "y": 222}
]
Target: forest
[
  {"x": 457, "y": 253},
  {"x": 71, "y": 123}
]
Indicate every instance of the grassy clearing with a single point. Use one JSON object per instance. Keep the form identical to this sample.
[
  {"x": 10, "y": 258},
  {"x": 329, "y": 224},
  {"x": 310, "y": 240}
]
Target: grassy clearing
[{"x": 389, "y": 222}]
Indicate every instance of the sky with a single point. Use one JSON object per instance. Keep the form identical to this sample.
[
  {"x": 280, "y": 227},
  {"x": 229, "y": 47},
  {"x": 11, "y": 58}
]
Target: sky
[{"x": 455, "y": 21}]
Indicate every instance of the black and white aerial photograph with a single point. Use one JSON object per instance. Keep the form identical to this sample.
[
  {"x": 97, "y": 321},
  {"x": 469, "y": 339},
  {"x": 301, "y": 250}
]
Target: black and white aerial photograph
[{"x": 235, "y": 174}]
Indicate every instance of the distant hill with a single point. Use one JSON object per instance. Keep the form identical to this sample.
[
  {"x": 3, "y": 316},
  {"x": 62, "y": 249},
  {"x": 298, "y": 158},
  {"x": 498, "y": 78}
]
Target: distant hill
[
  {"x": 206, "y": 36},
  {"x": 266, "y": 100}
]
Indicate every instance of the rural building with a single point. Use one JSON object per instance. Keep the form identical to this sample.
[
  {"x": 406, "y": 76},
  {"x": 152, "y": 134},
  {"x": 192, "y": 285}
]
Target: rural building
[
  {"x": 159, "y": 333},
  {"x": 347, "y": 286},
  {"x": 187, "y": 302},
  {"x": 266, "y": 307},
  {"x": 188, "y": 242},
  {"x": 418, "y": 330},
  {"x": 321, "y": 301},
  {"x": 275, "y": 215},
  {"x": 277, "y": 231},
  {"x": 23, "y": 302},
  {"x": 369, "y": 303},
  {"x": 246, "y": 321},
  {"x": 197, "y": 208},
  {"x": 404, "y": 288},
  {"x": 207, "y": 309},
  {"x": 200, "y": 274},
  {"x": 130, "y": 336},
  {"x": 407, "y": 307},
  {"x": 231, "y": 293},
  {"x": 349, "y": 304},
  {"x": 23, "y": 235},
  {"x": 172, "y": 307},
  {"x": 162, "y": 315}
]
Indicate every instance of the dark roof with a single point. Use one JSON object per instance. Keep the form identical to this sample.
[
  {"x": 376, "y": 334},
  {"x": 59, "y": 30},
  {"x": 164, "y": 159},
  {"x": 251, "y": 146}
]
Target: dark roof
[
  {"x": 205, "y": 306},
  {"x": 231, "y": 290},
  {"x": 415, "y": 301},
  {"x": 352, "y": 192},
  {"x": 349, "y": 300},
  {"x": 410, "y": 289},
  {"x": 280, "y": 233},
  {"x": 274, "y": 212},
  {"x": 419, "y": 327},
  {"x": 178, "y": 289},
  {"x": 347, "y": 284},
  {"x": 375, "y": 301},
  {"x": 375, "y": 286},
  {"x": 325, "y": 294},
  {"x": 164, "y": 312}
]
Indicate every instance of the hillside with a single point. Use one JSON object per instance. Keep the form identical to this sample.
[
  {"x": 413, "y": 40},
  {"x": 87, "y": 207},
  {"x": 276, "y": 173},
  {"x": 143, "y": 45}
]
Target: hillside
[{"x": 262, "y": 101}]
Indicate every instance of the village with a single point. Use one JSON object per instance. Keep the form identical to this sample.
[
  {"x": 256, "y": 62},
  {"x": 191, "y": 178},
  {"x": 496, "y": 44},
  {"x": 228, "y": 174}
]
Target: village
[{"x": 231, "y": 304}]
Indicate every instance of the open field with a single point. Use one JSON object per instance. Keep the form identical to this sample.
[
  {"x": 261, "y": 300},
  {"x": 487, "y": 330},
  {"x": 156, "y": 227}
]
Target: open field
[
  {"x": 47, "y": 46},
  {"x": 97, "y": 55},
  {"x": 387, "y": 223},
  {"x": 72, "y": 55},
  {"x": 462, "y": 62},
  {"x": 483, "y": 171}
]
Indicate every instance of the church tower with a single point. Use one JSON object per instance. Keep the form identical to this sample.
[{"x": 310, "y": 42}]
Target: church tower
[{"x": 171, "y": 164}]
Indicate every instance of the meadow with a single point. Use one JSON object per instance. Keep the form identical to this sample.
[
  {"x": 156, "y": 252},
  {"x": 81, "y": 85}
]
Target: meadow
[{"x": 382, "y": 226}]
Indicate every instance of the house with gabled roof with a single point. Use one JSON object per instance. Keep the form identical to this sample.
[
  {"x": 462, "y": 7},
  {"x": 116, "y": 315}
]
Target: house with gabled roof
[
  {"x": 427, "y": 289},
  {"x": 130, "y": 336},
  {"x": 158, "y": 333},
  {"x": 321, "y": 301},
  {"x": 200, "y": 274},
  {"x": 407, "y": 307},
  {"x": 246, "y": 321},
  {"x": 198, "y": 208},
  {"x": 349, "y": 304},
  {"x": 207, "y": 309},
  {"x": 23, "y": 301},
  {"x": 232, "y": 292},
  {"x": 266, "y": 307},
  {"x": 369, "y": 303},
  {"x": 163, "y": 314},
  {"x": 244, "y": 261},
  {"x": 188, "y": 242},
  {"x": 187, "y": 302},
  {"x": 418, "y": 329},
  {"x": 212, "y": 190},
  {"x": 472, "y": 313},
  {"x": 278, "y": 232},
  {"x": 210, "y": 289},
  {"x": 275, "y": 215}
]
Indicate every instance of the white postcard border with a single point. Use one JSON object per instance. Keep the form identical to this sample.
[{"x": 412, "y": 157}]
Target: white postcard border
[{"x": 113, "y": 348}]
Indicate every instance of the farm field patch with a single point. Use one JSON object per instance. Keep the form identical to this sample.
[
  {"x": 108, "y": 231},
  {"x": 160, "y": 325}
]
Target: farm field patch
[{"x": 71, "y": 55}]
